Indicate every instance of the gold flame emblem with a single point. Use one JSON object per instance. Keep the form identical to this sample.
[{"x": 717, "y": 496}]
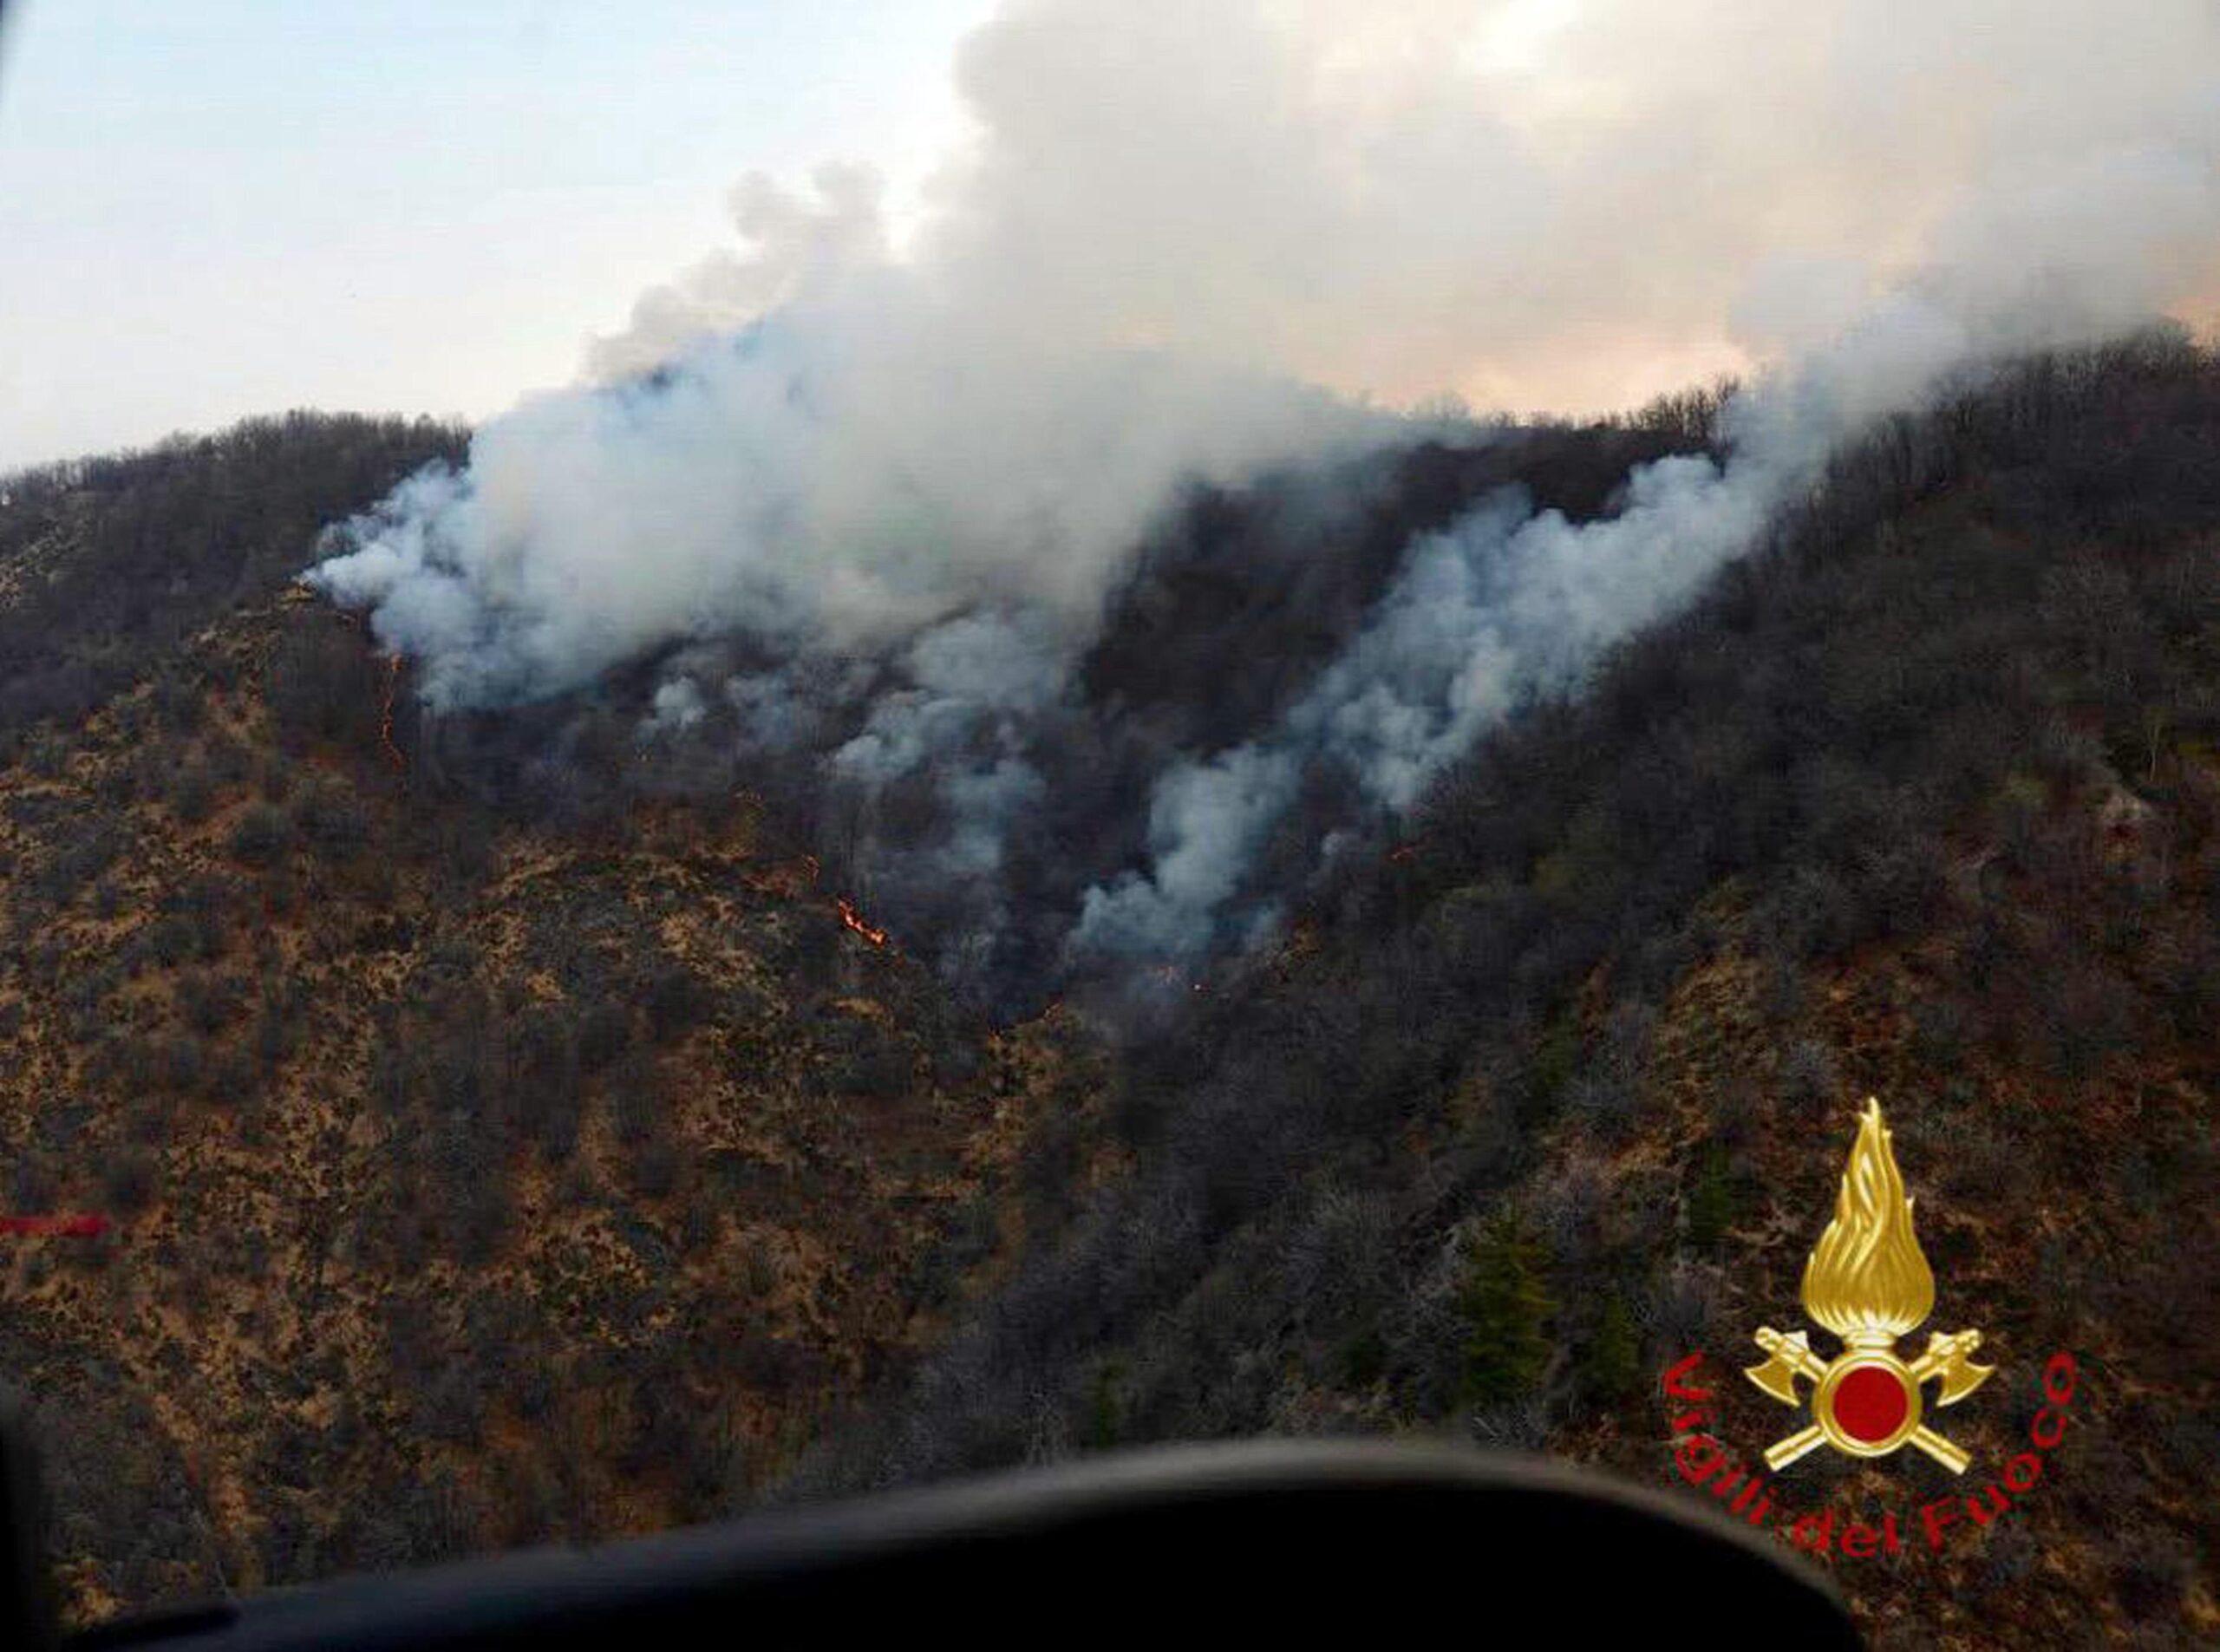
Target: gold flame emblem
[{"x": 1869, "y": 1283}]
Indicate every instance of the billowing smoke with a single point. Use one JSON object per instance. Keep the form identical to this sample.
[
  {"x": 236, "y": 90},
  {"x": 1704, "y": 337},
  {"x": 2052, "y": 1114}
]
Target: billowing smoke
[{"x": 1061, "y": 557}]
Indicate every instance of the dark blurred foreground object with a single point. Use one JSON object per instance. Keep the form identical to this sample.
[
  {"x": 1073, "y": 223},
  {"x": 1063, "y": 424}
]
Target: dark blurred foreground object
[
  {"x": 1209, "y": 1545},
  {"x": 26, "y": 1602}
]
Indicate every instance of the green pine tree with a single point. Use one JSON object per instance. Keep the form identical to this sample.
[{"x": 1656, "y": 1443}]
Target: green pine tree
[
  {"x": 1106, "y": 1407},
  {"x": 1611, "y": 1366},
  {"x": 1714, "y": 1203},
  {"x": 1506, "y": 1307}
]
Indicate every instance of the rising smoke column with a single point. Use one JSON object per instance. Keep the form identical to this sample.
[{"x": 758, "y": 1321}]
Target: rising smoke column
[
  {"x": 888, "y": 495},
  {"x": 1507, "y": 604}
]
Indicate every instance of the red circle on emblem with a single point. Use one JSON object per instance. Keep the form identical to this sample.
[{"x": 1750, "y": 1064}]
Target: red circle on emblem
[{"x": 1871, "y": 1404}]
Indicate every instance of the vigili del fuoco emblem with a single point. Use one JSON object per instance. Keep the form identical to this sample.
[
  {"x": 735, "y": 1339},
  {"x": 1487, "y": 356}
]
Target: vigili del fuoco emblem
[{"x": 1867, "y": 1283}]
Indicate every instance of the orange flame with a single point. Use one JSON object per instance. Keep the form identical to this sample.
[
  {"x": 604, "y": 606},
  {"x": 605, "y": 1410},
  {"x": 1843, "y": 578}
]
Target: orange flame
[{"x": 854, "y": 920}]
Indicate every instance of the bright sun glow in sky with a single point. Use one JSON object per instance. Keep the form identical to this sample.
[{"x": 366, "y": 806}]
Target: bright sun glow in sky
[{"x": 211, "y": 208}]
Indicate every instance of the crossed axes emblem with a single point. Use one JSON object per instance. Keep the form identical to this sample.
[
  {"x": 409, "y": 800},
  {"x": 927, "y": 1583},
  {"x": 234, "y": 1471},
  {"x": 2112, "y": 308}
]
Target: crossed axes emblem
[
  {"x": 1867, "y": 1282},
  {"x": 1857, "y": 1425}
]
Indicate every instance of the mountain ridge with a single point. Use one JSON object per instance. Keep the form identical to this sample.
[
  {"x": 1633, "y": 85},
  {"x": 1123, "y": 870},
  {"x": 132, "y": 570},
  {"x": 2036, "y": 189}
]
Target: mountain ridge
[{"x": 468, "y": 1086}]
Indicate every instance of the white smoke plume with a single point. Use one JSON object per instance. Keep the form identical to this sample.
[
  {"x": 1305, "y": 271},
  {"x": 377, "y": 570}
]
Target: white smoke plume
[
  {"x": 1505, "y": 603},
  {"x": 1197, "y": 239}
]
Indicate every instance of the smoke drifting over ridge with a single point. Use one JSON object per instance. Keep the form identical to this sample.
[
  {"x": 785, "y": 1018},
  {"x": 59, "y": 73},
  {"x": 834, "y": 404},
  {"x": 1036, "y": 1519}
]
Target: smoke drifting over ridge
[{"x": 907, "y": 527}]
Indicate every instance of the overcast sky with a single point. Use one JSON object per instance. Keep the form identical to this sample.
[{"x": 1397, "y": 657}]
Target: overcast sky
[{"x": 211, "y": 208}]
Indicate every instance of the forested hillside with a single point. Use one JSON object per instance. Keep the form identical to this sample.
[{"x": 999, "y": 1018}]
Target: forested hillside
[
  {"x": 522, "y": 1124},
  {"x": 476, "y": 1176},
  {"x": 1922, "y": 799},
  {"x": 107, "y": 565},
  {"x": 513, "y": 1126}
]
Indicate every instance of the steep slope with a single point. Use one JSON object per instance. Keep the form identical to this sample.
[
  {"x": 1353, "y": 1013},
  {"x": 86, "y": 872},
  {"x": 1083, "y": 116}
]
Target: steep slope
[
  {"x": 1922, "y": 799},
  {"x": 512, "y": 1132},
  {"x": 471, "y": 1182},
  {"x": 510, "y": 1129}
]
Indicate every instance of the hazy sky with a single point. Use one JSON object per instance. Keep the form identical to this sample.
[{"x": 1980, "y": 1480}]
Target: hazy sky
[{"x": 210, "y": 208}]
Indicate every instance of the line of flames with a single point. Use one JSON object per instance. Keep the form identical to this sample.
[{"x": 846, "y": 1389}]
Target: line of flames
[{"x": 385, "y": 721}]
